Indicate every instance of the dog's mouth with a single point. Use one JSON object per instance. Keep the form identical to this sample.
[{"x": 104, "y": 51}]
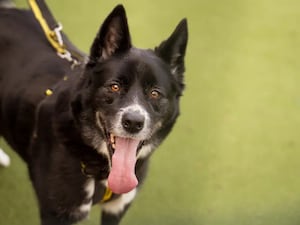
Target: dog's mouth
[{"x": 122, "y": 178}]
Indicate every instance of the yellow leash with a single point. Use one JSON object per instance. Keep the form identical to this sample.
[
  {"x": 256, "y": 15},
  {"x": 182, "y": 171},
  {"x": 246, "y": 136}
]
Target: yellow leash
[{"x": 53, "y": 37}]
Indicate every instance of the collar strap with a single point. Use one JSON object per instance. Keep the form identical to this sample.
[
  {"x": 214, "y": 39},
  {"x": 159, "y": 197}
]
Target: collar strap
[{"x": 107, "y": 195}]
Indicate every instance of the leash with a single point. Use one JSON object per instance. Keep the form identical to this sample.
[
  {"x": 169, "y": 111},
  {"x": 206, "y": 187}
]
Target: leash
[{"x": 53, "y": 33}]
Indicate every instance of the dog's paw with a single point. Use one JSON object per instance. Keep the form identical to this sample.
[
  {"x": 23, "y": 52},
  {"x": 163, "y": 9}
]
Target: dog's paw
[{"x": 4, "y": 159}]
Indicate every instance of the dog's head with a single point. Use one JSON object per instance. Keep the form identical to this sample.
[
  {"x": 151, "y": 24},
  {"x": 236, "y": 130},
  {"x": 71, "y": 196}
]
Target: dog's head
[{"x": 128, "y": 100}]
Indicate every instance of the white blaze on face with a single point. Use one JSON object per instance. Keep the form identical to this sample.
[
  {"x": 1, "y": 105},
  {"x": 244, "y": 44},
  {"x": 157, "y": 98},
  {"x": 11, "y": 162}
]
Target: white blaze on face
[{"x": 118, "y": 129}]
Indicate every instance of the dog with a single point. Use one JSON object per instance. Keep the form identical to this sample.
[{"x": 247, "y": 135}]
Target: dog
[{"x": 97, "y": 129}]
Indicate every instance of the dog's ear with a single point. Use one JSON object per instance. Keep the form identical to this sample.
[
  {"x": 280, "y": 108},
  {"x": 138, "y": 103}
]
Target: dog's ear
[
  {"x": 172, "y": 50},
  {"x": 113, "y": 36}
]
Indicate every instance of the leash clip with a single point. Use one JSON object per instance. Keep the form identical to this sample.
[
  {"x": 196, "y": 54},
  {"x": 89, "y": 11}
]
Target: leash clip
[
  {"x": 68, "y": 56},
  {"x": 65, "y": 54},
  {"x": 58, "y": 35}
]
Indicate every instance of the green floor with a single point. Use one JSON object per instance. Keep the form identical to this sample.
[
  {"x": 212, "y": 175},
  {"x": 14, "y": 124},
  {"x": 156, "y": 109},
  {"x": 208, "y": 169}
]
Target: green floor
[{"x": 233, "y": 158}]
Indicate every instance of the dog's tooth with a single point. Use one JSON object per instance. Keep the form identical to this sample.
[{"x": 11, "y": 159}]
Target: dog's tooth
[
  {"x": 112, "y": 138},
  {"x": 113, "y": 145}
]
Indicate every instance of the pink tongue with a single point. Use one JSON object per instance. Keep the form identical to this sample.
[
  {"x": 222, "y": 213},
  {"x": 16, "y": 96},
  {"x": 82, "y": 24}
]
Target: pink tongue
[{"x": 122, "y": 177}]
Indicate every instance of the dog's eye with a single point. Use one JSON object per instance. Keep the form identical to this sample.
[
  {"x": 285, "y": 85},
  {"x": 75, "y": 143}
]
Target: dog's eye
[
  {"x": 154, "y": 94},
  {"x": 115, "y": 87}
]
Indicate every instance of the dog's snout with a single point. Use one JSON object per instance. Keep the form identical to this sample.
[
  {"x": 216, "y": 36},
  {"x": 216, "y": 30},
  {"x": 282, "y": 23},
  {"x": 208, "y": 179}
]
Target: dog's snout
[{"x": 133, "y": 122}]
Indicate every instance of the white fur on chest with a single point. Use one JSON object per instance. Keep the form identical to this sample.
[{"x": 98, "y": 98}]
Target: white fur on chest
[
  {"x": 116, "y": 206},
  {"x": 89, "y": 189},
  {"x": 145, "y": 151}
]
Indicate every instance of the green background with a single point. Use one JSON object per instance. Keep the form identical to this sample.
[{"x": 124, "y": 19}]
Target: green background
[{"x": 233, "y": 157}]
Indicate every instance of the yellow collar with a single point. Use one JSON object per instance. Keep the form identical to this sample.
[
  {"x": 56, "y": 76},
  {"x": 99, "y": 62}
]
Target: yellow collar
[{"x": 107, "y": 195}]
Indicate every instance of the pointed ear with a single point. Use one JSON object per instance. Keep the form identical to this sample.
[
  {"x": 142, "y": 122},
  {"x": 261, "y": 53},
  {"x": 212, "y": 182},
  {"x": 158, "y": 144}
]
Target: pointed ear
[
  {"x": 113, "y": 36},
  {"x": 172, "y": 50}
]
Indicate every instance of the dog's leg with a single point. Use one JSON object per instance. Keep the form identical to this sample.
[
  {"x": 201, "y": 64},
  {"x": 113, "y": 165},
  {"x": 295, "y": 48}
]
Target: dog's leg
[
  {"x": 4, "y": 159},
  {"x": 51, "y": 220},
  {"x": 113, "y": 211}
]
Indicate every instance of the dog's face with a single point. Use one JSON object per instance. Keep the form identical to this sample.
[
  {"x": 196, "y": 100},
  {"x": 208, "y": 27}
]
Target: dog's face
[{"x": 129, "y": 98}]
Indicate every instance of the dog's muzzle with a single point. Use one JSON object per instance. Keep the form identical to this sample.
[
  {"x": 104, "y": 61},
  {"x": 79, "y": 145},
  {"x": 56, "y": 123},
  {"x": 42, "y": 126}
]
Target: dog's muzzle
[{"x": 125, "y": 137}]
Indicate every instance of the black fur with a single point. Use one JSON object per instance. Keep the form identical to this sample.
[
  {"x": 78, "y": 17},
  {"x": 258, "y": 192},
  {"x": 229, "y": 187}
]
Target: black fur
[{"x": 57, "y": 134}]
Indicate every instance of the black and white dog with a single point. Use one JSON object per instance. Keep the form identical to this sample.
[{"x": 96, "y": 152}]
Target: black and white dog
[{"x": 102, "y": 122}]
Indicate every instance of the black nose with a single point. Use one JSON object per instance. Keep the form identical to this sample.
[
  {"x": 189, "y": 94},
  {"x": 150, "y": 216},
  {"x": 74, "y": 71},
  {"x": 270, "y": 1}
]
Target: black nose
[{"x": 133, "y": 122}]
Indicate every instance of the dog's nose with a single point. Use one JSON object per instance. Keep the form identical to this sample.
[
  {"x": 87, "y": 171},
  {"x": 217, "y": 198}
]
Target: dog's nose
[{"x": 133, "y": 122}]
